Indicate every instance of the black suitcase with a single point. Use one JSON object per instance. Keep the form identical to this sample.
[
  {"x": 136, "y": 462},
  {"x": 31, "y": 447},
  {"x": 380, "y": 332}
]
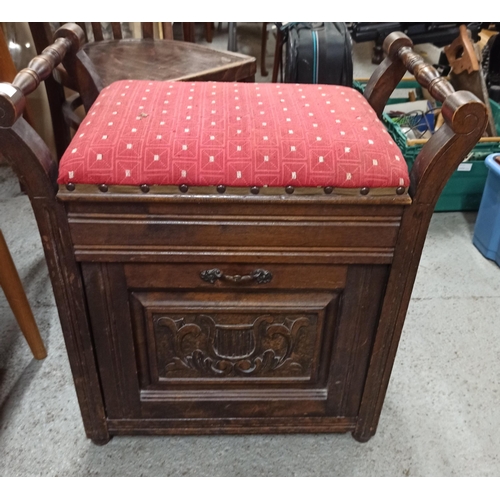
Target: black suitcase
[
  {"x": 491, "y": 67},
  {"x": 317, "y": 53}
]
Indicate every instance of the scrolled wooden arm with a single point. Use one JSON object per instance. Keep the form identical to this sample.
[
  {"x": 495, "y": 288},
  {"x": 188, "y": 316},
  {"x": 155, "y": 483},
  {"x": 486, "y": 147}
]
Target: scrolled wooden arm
[
  {"x": 465, "y": 121},
  {"x": 465, "y": 116},
  {"x": 13, "y": 95},
  {"x": 401, "y": 58}
]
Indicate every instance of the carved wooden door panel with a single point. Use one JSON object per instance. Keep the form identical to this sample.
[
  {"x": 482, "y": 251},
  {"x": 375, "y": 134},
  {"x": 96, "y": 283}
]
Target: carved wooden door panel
[{"x": 174, "y": 341}]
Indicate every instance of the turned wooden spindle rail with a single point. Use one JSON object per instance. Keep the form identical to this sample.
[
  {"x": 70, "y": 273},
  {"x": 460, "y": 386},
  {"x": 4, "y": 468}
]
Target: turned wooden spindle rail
[
  {"x": 463, "y": 112},
  {"x": 13, "y": 96},
  {"x": 425, "y": 74},
  {"x": 401, "y": 58},
  {"x": 40, "y": 67}
]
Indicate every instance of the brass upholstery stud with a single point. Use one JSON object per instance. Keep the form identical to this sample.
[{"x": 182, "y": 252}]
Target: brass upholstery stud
[
  {"x": 254, "y": 190},
  {"x": 364, "y": 191},
  {"x": 221, "y": 188},
  {"x": 183, "y": 188},
  {"x": 328, "y": 190},
  {"x": 400, "y": 190},
  {"x": 70, "y": 186},
  {"x": 289, "y": 189},
  {"x": 103, "y": 188},
  {"x": 144, "y": 188}
]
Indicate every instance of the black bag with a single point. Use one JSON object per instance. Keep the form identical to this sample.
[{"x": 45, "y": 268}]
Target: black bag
[
  {"x": 491, "y": 67},
  {"x": 317, "y": 53}
]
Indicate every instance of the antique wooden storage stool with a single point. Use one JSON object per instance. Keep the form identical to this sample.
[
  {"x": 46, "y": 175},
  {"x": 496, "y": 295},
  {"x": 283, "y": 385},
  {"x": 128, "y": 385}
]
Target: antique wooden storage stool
[{"x": 234, "y": 257}]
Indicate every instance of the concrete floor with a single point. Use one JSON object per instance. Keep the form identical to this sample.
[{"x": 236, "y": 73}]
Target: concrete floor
[{"x": 439, "y": 419}]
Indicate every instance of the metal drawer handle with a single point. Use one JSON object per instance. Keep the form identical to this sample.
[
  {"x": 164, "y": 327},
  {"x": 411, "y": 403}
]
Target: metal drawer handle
[{"x": 261, "y": 276}]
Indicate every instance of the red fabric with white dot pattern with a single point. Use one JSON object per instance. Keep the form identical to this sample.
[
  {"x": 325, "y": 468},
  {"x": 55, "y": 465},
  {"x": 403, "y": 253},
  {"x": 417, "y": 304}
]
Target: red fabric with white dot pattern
[{"x": 236, "y": 134}]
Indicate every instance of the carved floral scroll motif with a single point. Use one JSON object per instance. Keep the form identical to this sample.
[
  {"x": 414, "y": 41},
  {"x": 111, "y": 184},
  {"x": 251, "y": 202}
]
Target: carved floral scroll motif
[{"x": 267, "y": 346}]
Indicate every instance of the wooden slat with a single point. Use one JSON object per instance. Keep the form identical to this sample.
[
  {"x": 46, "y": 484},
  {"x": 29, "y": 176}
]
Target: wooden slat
[
  {"x": 189, "y": 32},
  {"x": 97, "y": 29},
  {"x": 209, "y": 32},
  {"x": 147, "y": 30},
  {"x": 117, "y": 31},
  {"x": 168, "y": 32},
  {"x": 42, "y": 34},
  {"x": 84, "y": 28}
]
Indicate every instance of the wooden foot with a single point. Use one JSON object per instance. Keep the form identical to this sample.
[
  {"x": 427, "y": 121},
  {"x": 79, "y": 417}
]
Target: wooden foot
[
  {"x": 101, "y": 441},
  {"x": 14, "y": 292},
  {"x": 362, "y": 438}
]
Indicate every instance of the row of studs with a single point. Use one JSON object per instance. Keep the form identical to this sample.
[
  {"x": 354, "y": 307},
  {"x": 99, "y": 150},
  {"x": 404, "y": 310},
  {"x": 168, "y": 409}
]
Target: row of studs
[{"x": 184, "y": 188}]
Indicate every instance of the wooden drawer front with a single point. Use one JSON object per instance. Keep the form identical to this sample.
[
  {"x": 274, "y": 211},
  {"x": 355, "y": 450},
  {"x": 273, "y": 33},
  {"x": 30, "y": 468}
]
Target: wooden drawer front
[
  {"x": 163, "y": 234},
  {"x": 173, "y": 346},
  {"x": 280, "y": 276}
]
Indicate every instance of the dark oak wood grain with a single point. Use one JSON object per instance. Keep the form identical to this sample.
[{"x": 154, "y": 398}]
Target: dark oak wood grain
[{"x": 213, "y": 311}]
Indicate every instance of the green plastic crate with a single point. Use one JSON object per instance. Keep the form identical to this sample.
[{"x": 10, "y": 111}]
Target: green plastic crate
[{"x": 464, "y": 190}]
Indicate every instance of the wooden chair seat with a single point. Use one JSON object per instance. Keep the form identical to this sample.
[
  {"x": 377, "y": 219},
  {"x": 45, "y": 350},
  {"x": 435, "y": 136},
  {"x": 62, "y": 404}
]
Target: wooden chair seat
[{"x": 216, "y": 310}]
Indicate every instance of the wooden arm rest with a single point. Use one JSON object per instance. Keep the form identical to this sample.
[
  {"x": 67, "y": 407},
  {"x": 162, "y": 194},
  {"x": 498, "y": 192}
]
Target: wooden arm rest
[
  {"x": 401, "y": 58},
  {"x": 465, "y": 116},
  {"x": 13, "y": 96},
  {"x": 21, "y": 145}
]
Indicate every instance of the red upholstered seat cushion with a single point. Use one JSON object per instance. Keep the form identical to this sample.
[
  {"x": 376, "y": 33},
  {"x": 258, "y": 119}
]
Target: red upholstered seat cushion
[{"x": 236, "y": 134}]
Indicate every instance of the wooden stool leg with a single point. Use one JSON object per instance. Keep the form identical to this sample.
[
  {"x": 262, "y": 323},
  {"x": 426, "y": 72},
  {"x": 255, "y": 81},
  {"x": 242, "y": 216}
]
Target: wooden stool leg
[
  {"x": 14, "y": 292},
  {"x": 263, "y": 70}
]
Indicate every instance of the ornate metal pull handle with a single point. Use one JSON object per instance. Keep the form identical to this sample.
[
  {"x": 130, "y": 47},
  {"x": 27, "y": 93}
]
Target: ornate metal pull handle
[{"x": 261, "y": 276}]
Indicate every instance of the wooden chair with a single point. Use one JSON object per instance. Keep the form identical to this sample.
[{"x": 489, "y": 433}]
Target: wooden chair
[
  {"x": 235, "y": 257},
  {"x": 14, "y": 293},
  {"x": 129, "y": 58},
  {"x": 189, "y": 31}
]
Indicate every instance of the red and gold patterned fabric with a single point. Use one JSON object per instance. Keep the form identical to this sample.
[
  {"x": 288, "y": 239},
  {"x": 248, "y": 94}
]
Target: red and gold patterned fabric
[{"x": 235, "y": 134}]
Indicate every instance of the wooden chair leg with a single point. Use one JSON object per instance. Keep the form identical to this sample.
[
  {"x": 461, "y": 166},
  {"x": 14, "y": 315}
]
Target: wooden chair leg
[
  {"x": 263, "y": 46},
  {"x": 168, "y": 31},
  {"x": 189, "y": 32},
  {"x": 232, "y": 44},
  {"x": 209, "y": 31},
  {"x": 14, "y": 292},
  {"x": 278, "y": 54}
]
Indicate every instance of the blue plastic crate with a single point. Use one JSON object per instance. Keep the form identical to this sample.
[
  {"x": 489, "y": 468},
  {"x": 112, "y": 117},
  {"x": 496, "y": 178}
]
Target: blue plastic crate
[{"x": 487, "y": 230}]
